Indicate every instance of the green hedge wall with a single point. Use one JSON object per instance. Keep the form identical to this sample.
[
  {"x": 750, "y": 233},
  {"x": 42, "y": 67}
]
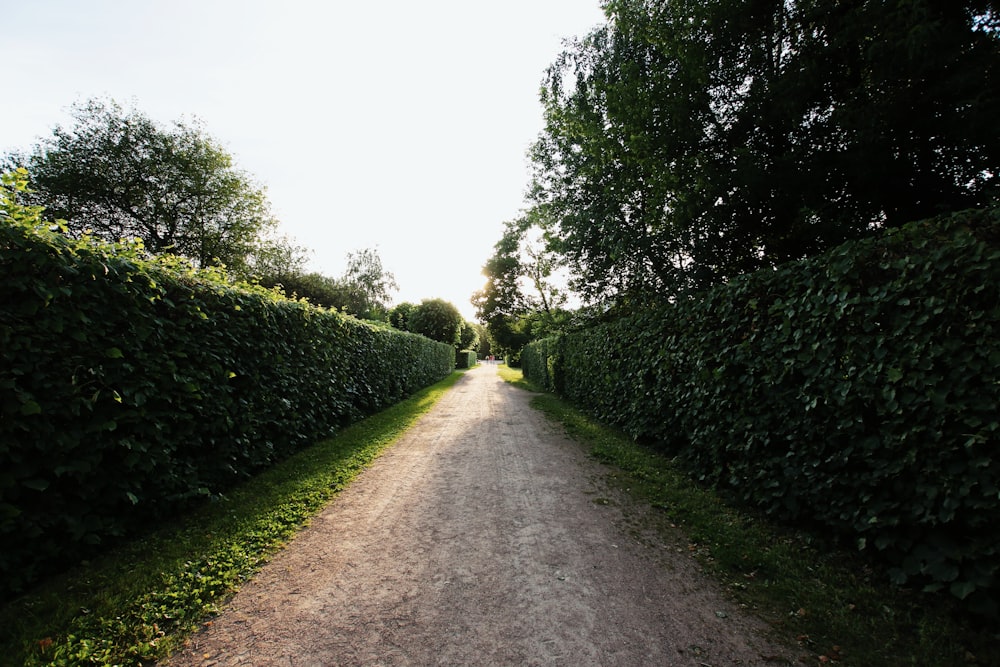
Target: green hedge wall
[
  {"x": 856, "y": 392},
  {"x": 128, "y": 389},
  {"x": 465, "y": 359},
  {"x": 540, "y": 361}
]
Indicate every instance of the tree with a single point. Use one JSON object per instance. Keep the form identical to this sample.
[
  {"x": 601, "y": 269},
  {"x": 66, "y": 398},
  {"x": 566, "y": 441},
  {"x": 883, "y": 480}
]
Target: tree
[
  {"x": 369, "y": 283},
  {"x": 438, "y": 320},
  {"x": 119, "y": 175},
  {"x": 400, "y": 314},
  {"x": 275, "y": 255},
  {"x": 688, "y": 141},
  {"x": 502, "y": 294},
  {"x": 520, "y": 300},
  {"x": 622, "y": 124},
  {"x": 484, "y": 347},
  {"x": 316, "y": 288},
  {"x": 362, "y": 291},
  {"x": 468, "y": 337}
]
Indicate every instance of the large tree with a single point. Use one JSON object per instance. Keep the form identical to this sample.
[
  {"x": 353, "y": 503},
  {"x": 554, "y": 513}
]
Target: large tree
[
  {"x": 118, "y": 174},
  {"x": 521, "y": 299},
  {"x": 687, "y": 141},
  {"x": 438, "y": 320}
]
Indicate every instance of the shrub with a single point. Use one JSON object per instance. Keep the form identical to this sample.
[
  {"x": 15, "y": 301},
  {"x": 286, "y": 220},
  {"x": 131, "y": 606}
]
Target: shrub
[
  {"x": 855, "y": 391},
  {"x": 465, "y": 359},
  {"x": 129, "y": 388}
]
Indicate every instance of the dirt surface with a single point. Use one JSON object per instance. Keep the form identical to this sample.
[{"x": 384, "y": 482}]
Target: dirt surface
[{"x": 483, "y": 537}]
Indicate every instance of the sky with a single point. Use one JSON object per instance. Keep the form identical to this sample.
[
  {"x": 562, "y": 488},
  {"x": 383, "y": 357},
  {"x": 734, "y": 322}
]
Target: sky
[{"x": 397, "y": 125}]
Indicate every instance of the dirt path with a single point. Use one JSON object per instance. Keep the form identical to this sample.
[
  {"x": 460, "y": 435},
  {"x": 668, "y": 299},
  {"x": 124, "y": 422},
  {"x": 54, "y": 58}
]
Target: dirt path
[{"x": 483, "y": 537}]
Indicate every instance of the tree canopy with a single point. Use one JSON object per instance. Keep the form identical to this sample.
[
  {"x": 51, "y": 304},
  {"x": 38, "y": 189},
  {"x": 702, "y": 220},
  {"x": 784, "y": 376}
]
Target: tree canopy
[
  {"x": 468, "y": 337},
  {"x": 521, "y": 300},
  {"x": 688, "y": 141},
  {"x": 399, "y": 315},
  {"x": 370, "y": 285},
  {"x": 363, "y": 290},
  {"x": 438, "y": 320},
  {"x": 117, "y": 174}
]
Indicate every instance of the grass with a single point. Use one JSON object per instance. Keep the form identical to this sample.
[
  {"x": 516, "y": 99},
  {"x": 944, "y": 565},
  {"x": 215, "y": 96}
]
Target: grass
[
  {"x": 515, "y": 377},
  {"x": 838, "y": 607},
  {"x": 139, "y": 601}
]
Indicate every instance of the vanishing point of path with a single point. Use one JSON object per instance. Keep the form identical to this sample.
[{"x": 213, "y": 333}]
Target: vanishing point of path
[{"x": 483, "y": 537}]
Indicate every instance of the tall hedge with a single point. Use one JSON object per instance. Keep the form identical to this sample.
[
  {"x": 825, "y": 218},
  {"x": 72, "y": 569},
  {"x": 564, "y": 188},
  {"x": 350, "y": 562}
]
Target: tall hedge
[
  {"x": 465, "y": 358},
  {"x": 856, "y": 392},
  {"x": 128, "y": 389}
]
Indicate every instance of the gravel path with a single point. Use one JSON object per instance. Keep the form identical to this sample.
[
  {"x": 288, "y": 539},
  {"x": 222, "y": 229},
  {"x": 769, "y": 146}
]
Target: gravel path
[{"x": 483, "y": 537}]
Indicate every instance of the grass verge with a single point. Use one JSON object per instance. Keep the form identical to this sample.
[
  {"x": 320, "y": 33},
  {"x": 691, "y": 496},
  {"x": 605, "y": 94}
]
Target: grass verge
[
  {"x": 139, "y": 601},
  {"x": 832, "y": 602}
]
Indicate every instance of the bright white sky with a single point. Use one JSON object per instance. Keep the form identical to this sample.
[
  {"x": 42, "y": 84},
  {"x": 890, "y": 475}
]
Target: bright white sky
[{"x": 396, "y": 124}]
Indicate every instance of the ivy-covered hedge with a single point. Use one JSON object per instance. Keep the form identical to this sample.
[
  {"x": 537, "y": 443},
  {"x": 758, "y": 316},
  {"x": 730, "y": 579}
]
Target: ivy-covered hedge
[
  {"x": 128, "y": 389},
  {"x": 856, "y": 392}
]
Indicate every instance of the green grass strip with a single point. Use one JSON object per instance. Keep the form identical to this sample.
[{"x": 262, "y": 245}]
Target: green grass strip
[
  {"x": 138, "y": 602},
  {"x": 835, "y": 604}
]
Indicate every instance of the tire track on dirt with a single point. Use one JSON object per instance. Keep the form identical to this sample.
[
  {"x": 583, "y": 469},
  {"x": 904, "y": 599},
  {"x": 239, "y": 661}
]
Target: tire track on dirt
[{"x": 475, "y": 540}]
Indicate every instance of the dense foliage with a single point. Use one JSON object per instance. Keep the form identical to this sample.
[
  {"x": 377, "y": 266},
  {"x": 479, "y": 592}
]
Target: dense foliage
[
  {"x": 521, "y": 300},
  {"x": 465, "y": 359},
  {"x": 855, "y": 392},
  {"x": 438, "y": 320},
  {"x": 135, "y": 604},
  {"x": 690, "y": 141},
  {"x": 129, "y": 387},
  {"x": 399, "y": 315},
  {"x": 370, "y": 284},
  {"x": 469, "y": 337},
  {"x": 316, "y": 288},
  {"x": 117, "y": 174},
  {"x": 363, "y": 290}
]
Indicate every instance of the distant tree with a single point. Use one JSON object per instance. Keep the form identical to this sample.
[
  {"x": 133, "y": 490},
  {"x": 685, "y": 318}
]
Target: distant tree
[
  {"x": 502, "y": 295},
  {"x": 438, "y": 320},
  {"x": 468, "y": 337},
  {"x": 520, "y": 300},
  {"x": 272, "y": 255},
  {"x": 369, "y": 283},
  {"x": 316, "y": 288},
  {"x": 400, "y": 314},
  {"x": 485, "y": 345},
  {"x": 362, "y": 291},
  {"x": 118, "y": 174}
]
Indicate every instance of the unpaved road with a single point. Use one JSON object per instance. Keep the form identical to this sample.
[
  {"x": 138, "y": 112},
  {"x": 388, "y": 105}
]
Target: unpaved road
[{"x": 483, "y": 537}]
